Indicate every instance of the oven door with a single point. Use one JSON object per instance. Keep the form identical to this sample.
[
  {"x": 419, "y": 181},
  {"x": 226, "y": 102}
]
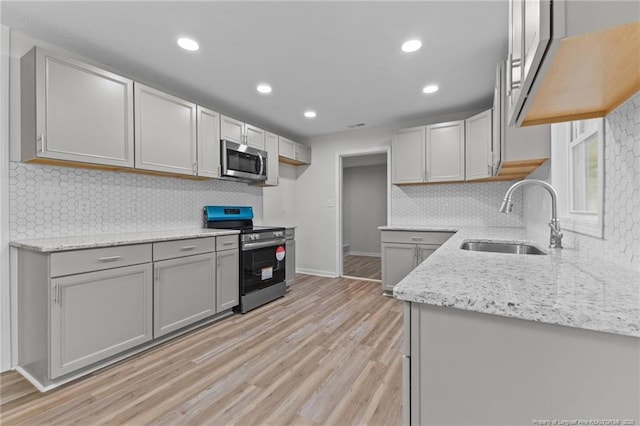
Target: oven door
[
  {"x": 242, "y": 161},
  {"x": 261, "y": 265}
]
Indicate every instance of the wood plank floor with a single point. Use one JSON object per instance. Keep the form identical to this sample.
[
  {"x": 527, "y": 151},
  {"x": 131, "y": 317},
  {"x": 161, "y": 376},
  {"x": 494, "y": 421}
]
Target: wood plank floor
[
  {"x": 362, "y": 266},
  {"x": 327, "y": 353}
]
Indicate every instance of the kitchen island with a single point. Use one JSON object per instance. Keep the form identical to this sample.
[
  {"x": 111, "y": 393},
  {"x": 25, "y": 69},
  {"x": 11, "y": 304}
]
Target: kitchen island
[{"x": 494, "y": 338}]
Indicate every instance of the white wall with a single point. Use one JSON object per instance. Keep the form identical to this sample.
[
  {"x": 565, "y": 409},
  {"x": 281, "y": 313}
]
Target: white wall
[
  {"x": 621, "y": 241},
  {"x": 5, "y": 284},
  {"x": 279, "y": 202},
  {"x": 365, "y": 208}
]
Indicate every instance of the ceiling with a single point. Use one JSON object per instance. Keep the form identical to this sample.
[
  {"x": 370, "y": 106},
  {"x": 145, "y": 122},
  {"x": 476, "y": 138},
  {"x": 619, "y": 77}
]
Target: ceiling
[{"x": 341, "y": 59}]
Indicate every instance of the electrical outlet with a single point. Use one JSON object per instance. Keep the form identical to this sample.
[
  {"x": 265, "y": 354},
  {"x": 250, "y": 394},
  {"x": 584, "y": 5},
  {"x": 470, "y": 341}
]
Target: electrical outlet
[
  {"x": 49, "y": 194},
  {"x": 84, "y": 207}
]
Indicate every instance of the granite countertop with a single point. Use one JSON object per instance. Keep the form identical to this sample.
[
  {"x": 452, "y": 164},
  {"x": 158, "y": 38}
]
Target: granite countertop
[
  {"x": 108, "y": 240},
  {"x": 563, "y": 287}
]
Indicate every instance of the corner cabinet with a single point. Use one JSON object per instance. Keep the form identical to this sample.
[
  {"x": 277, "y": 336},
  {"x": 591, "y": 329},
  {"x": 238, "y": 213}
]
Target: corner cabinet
[
  {"x": 208, "y": 124},
  {"x": 402, "y": 251},
  {"x": 293, "y": 153},
  {"x": 479, "y": 146},
  {"x": 165, "y": 131},
  {"x": 73, "y": 111}
]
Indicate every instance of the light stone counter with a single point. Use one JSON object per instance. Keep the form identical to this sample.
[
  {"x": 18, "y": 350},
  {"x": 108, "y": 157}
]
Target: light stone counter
[
  {"x": 563, "y": 287},
  {"x": 46, "y": 245}
]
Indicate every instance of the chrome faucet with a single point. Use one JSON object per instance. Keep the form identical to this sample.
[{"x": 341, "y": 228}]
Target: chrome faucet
[{"x": 555, "y": 239}]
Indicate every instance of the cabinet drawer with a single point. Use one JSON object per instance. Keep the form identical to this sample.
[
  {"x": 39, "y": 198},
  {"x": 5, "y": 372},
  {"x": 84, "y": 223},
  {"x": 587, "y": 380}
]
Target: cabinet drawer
[
  {"x": 181, "y": 248},
  {"x": 227, "y": 242},
  {"x": 415, "y": 237},
  {"x": 78, "y": 261}
]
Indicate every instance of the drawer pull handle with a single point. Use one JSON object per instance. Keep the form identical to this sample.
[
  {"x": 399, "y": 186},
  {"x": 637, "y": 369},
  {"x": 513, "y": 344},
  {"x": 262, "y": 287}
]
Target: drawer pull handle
[
  {"x": 109, "y": 259},
  {"x": 228, "y": 243},
  {"x": 187, "y": 248},
  {"x": 416, "y": 238}
]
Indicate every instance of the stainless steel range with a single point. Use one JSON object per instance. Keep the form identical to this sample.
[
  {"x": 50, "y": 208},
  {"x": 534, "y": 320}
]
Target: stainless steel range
[{"x": 262, "y": 254}]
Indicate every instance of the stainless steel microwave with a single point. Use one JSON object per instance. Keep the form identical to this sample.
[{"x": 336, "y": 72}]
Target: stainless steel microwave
[{"x": 243, "y": 162}]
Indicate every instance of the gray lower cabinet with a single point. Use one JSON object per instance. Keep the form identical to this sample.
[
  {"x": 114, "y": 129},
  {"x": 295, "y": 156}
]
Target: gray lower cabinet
[
  {"x": 290, "y": 259},
  {"x": 227, "y": 276},
  {"x": 82, "y": 309},
  {"x": 98, "y": 314},
  {"x": 402, "y": 251},
  {"x": 184, "y": 292},
  {"x": 509, "y": 371}
]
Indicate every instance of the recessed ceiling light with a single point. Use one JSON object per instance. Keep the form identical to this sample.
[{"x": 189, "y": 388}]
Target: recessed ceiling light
[
  {"x": 263, "y": 88},
  {"x": 432, "y": 88},
  {"x": 310, "y": 114},
  {"x": 411, "y": 46},
  {"x": 188, "y": 44}
]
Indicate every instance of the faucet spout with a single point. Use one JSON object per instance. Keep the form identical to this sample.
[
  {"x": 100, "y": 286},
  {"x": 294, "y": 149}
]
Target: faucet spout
[{"x": 555, "y": 239}]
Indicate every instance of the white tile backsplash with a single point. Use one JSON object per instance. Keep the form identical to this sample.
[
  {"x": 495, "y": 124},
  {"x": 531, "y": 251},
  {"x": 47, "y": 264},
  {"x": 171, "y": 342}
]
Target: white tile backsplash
[
  {"x": 465, "y": 204},
  {"x": 48, "y": 201},
  {"x": 621, "y": 242}
]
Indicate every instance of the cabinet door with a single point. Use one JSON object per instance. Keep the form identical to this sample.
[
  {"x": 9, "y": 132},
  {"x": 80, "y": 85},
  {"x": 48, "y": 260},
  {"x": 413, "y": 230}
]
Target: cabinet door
[
  {"x": 231, "y": 129},
  {"x": 445, "y": 152},
  {"x": 497, "y": 136},
  {"x": 83, "y": 113},
  {"x": 425, "y": 250},
  {"x": 165, "y": 132},
  {"x": 478, "y": 141},
  {"x": 184, "y": 292},
  {"x": 99, "y": 314},
  {"x": 227, "y": 280},
  {"x": 286, "y": 148},
  {"x": 536, "y": 34},
  {"x": 208, "y": 143},
  {"x": 303, "y": 153},
  {"x": 254, "y": 136},
  {"x": 408, "y": 156},
  {"x": 271, "y": 146},
  {"x": 514, "y": 58},
  {"x": 397, "y": 261}
]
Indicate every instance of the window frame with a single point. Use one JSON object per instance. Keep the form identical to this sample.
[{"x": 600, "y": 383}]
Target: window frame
[{"x": 564, "y": 137}]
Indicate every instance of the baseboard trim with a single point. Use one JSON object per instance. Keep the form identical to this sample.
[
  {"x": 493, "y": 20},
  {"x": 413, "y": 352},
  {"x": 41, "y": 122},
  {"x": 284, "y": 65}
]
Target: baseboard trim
[
  {"x": 350, "y": 277},
  {"x": 363, "y": 253},
  {"x": 33, "y": 381},
  {"x": 316, "y": 272}
]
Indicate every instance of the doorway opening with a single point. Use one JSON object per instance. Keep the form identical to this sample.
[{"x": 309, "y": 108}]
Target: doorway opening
[{"x": 364, "y": 206}]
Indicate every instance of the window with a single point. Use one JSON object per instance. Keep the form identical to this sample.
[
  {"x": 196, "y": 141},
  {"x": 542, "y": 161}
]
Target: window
[{"x": 578, "y": 174}]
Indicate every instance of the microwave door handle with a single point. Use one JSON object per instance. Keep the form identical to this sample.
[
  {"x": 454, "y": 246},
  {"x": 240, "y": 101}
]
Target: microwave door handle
[{"x": 261, "y": 164}]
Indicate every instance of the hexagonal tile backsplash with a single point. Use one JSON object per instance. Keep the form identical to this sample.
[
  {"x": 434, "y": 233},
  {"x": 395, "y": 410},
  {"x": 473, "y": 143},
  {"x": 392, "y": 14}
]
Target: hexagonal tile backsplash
[
  {"x": 465, "y": 204},
  {"x": 621, "y": 242},
  {"x": 47, "y": 201}
]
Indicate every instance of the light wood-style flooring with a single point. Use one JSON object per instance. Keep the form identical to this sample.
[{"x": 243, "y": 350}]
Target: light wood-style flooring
[
  {"x": 368, "y": 267},
  {"x": 329, "y": 353}
]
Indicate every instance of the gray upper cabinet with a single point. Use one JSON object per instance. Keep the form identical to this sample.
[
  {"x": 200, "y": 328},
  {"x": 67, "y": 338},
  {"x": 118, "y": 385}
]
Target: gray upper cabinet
[
  {"x": 165, "y": 131},
  {"x": 433, "y": 153},
  {"x": 271, "y": 146},
  {"x": 242, "y": 133},
  {"x": 293, "y": 153},
  {"x": 478, "y": 140},
  {"x": 208, "y": 122},
  {"x": 75, "y": 112},
  {"x": 408, "y": 156},
  {"x": 98, "y": 314},
  {"x": 445, "y": 152}
]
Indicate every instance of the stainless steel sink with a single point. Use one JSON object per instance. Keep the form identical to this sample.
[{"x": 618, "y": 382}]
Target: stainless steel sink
[{"x": 497, "y": 247}]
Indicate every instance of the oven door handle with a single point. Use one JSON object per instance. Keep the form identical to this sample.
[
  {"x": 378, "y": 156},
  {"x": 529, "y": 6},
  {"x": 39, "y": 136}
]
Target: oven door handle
[{"x": 262, "y": 244}]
